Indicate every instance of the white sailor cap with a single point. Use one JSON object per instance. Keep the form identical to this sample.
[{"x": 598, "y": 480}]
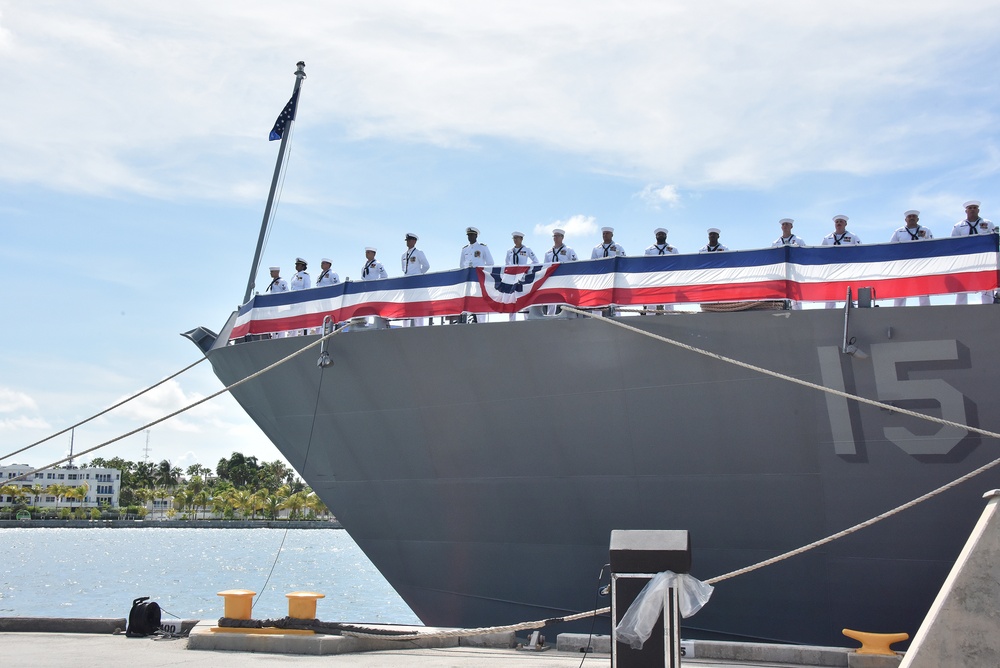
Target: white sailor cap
[
  {"x": 840, "y": 216},
  {"x": 515, "y": 233},
  {"x": 299, "y": 260},
  {"x": 371, "y": 248},
  {"x": 472, "y": 230},
  {"x": 608, "y": 229},
  {"x": 716, "y": 230},
  {"x": 326, "y": 259},
  {"x": 411, "y": 235},
  {"x": 971, "y": 202},
  {"x": 786, "y": 220},
  {"x": 911, "y": 212},
  {"x": 558, "y": 231},
  {"x": 275, "y": 269},
  {"x": 661, "y": 229}
]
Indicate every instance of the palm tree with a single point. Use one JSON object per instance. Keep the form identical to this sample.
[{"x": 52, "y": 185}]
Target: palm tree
[
  {"x": 295, "y": 503},
  {"x": 57, "y": 490},
  {"x": 78, "y": 493},
  {"x": 201, "y": 500}
]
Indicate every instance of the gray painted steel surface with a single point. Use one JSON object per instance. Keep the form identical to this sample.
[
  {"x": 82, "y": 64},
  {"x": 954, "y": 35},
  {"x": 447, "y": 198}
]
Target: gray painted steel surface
[{"x": 483, "y": 467}]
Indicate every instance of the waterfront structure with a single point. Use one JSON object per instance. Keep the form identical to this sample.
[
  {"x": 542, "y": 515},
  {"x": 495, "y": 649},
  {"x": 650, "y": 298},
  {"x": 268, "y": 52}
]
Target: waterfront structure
[{"x": 103, "y": 486}]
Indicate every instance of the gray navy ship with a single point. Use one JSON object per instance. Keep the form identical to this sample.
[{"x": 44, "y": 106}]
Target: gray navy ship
[{"x": 483, "y": 467}]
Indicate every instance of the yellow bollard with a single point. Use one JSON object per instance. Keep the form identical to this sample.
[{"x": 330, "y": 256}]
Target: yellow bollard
[
  {"x": 238, "y": 603},
  {"x": 302, "y": 604},
  {"x": 875, "y": 643}
]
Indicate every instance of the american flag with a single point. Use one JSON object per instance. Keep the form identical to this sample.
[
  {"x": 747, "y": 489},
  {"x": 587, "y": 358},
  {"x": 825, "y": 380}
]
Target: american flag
[{"x": 287, "y": 114}]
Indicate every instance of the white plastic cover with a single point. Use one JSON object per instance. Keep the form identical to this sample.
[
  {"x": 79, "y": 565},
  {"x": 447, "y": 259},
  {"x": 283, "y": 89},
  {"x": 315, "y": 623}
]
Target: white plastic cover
[{"x": 641, "y": 616}]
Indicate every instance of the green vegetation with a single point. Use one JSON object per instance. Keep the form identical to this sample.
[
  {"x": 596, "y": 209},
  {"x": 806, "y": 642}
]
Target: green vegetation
[{"x": 241, "y": 488}]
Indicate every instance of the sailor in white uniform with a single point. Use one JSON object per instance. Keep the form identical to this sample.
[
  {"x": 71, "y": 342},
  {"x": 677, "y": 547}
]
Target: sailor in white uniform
[
  {"x": 278, "y": 284},
  {"x": 300, "y": 279},
  {"x": 661, "y": 247},
  {"x": 327, "y": 276},
  {"x": 475, "y": 254},
  {"x": 973, "y": 224},
  {"x": 787, "y": 238},
  {"x": 607, "y": 247},
  {"x": 713, "y": 245},
  {"x": 413, "y": 260},
  {"x": 840, "y": 237},
  {"x": 912, "y": 231},
  {"x": 520, "y": 254},
  {"x": 559, "y": 252},
  {"x": 373, "y": 269}
]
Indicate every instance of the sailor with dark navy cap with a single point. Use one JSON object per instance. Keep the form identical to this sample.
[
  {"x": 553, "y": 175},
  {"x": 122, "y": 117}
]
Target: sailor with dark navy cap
[
  {"x": 911, "y": 231},
  {"x": 520, "y": 254},
  {"x": 413, "y": 260},
  {"x": 787, "y": 238},
  {"x": 475, "y": 254},
  {"x": 661, "y": 247},
  {"x": 713, "y": 245},
  {"x": 373, "y": 269},
  {"x": 559, "y": 252},
  {"x": 973, "y": 224},
  {"x": 327, "y": 276},
  {"x": 607, "y": 247},
  {"x": 300, "y": 279}
]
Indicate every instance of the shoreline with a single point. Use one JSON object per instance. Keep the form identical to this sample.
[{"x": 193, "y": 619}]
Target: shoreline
[{"x": 170, "y": 524}]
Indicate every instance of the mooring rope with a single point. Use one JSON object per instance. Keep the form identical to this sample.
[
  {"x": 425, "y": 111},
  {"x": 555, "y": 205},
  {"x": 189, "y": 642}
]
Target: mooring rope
[
  {"x": 748, "y": 569},
  {"x": 182, "y": 410},
  {"x": 106, "y": 410}
]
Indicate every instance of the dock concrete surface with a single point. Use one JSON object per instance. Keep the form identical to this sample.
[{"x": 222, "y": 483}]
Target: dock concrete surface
[{"x": 229, "y": 650}]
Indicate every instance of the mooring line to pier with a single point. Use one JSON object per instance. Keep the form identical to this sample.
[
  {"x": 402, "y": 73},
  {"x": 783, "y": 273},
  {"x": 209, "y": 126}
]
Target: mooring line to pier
[
  {"x": 181, "y": 410},
  {"x": 523, "y": 626},
  {"x": 106, "y": 410},
  {"x": 781, "y": 376}
]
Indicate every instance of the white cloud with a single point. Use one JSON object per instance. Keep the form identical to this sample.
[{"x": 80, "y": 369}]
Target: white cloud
[
  {"x": 145, "y": 100},
  {"x": 12, "y": 401},
  {"x": 576, "y": 227},
  {"x": 656, "y": 196},
  {"x": 23, "y": 422}
]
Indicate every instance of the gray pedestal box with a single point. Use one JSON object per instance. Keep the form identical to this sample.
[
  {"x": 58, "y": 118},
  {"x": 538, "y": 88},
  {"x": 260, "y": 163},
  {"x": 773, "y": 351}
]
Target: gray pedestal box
[{"x": 636, "y": 556}]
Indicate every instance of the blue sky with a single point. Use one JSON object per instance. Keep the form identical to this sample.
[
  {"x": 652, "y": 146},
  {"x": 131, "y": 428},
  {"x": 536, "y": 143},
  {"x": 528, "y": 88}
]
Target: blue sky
[{"x": 134, "y": 161}]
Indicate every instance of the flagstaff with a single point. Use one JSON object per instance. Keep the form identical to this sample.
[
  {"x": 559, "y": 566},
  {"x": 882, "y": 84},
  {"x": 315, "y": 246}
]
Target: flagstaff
[{"x": 280, "y": 131}]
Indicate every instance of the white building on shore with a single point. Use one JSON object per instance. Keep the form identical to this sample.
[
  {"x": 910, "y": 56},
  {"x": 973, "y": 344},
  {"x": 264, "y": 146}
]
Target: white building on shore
[{"x": 103, "y": 486}]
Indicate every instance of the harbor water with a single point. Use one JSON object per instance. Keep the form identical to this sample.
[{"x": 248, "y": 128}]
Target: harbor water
[{"x": 61, "y": 572}]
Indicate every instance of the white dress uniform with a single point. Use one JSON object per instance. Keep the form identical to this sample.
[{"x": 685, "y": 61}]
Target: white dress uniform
[
  {"x": 475, "y": 255},
  {"x": 521, "y": 255},
  {"x": 662, "y": 249},
  {"x": 277, "y": 285},
  {"x": 713, "y": 249},
  {"x": 905, "y": 235},
  {"x": 414, "y": 262},
  {"x": 561, "y": 254},
  {"x": 327, "y": 277},
  {"x": 788, "y": 241},
  {"x": 845, "y": 239},
  {"x": 612, "y": 249},
  {"x": 964, "y": 228},
  {"x": 300, "y": 281},
  {"x": 372, "y": 270}
]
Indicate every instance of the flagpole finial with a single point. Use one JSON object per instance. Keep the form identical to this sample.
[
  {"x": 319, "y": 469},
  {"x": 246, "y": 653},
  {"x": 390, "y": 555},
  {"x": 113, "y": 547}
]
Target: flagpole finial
[{"x": 300, "y": 69}]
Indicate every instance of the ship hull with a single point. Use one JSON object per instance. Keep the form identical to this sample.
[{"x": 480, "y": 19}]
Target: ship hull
[{"x": 482, "y": 468}]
